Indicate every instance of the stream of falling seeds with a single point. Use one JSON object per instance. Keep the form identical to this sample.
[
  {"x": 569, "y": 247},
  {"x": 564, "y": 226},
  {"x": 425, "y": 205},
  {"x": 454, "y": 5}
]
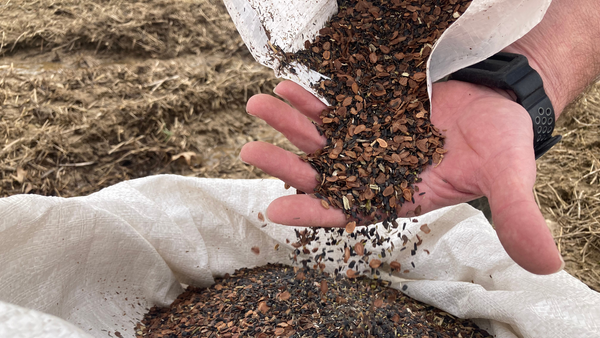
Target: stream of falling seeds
[{"x": 378, "y": 129}]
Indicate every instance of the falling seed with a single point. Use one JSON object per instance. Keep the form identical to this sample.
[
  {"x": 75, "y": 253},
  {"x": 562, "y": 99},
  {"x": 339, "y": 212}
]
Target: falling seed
[
  {"x": 286, "y": 186},
  {"x": 425, "y": 228},
  {"x": 350, "y": 226},
  {"x": 276, "y": 247},
  {"x": 346, "y": 254},
  {"x": 261, "y": 217},
  {"x": 374, "y": 263},
  {"x": 359, "y": 248},
  {"x": 256, "y": 250}
]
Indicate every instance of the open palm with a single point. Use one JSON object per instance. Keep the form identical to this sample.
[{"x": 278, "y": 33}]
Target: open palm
[{"x": 489, "y": 139}]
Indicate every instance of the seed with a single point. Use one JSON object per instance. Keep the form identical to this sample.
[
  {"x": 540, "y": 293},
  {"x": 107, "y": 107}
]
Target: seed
[
  {"x": 382, "y": 143},
  {"x": 420, "y": 76},
  {"x": 346, "y": 254},
  {"x": 359, "y": 248},
  {"x": 351, "y": 273},
  {"x": 286, "y": 186},
  {"x": 261, "y": 217},
  {"x": 284, "y": 295},
  {"x": 388, "y": 191},
  {"x": 374, "y": 263},
  {"x": 325, "y": 204},
  {"x": 262, "y": 307},
  {"x": 378, "y": 302},
  {"x": 350, "y": 226},
  {"x": 279, "y": 331},
  {"x": 326, "y": 55},
  {"x": 425, "y": 228},
  {"x": 346, "y": 202},
  {"x": 373, "y": 57},
  {"x": 359, "y": 129},
  {"x": 324, "y": 287},
  {"x": 255, "y": 250},
  {"x": 395, "y": 266}
]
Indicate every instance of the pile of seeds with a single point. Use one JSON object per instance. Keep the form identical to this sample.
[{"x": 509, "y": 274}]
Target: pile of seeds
[
  {"x": 280, "y": 301},
  {"x": 379, "y": 135}
]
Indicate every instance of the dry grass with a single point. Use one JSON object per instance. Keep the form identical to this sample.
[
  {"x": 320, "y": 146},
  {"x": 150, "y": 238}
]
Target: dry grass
[
  {"x": 160, "y": 28},
  {"x": 568, "y": 185},
  {"x": 76, "y": 131}
]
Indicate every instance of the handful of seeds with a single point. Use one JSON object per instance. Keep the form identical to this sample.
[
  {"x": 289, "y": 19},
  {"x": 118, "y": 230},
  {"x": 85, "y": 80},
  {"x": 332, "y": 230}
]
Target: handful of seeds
[
  {"x": 280, "y": 301},
  {"x": 379, "y": 135}
]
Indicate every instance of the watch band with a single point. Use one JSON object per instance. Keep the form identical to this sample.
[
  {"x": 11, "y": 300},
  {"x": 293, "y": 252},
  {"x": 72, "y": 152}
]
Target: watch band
[{"x": 512, "y": 72}]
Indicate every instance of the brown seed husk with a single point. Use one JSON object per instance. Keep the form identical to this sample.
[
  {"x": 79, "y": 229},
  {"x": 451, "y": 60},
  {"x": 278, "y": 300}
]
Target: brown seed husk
[
  {"x": 425, "y": 228},
  {"x": 374, "y": 263},
  {"x": 350, "y": 226},
  {"x": 375, "y": 100}
]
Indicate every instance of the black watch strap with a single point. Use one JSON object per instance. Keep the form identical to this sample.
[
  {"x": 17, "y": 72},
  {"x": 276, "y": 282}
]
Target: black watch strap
[{"x": 512, "y": 72}]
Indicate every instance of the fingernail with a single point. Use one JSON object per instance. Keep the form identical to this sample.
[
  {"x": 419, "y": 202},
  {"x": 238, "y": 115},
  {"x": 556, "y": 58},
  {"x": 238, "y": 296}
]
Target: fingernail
[
  {"x": 241, "y": 159},
  {"x": 275, "y": 90},
  {"x": 562, "y": 263}
]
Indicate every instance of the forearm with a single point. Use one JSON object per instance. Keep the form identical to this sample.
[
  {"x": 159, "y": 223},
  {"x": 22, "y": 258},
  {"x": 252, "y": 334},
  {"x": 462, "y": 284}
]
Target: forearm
[{"x": 565, "y": 49}]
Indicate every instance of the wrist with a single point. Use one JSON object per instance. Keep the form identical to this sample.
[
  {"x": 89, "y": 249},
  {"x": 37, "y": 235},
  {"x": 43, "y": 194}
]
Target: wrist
[{"x": 564, "y": 49}]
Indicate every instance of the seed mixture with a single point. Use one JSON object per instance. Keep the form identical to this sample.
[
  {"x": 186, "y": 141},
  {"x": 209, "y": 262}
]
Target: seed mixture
[
  {"x": 281, "y": 301},
  {"x": 379, "y": 135}
]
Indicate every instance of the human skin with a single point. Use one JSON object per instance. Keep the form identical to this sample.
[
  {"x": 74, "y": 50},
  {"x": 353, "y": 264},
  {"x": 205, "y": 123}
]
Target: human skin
[{"x": 489, "y": 139}]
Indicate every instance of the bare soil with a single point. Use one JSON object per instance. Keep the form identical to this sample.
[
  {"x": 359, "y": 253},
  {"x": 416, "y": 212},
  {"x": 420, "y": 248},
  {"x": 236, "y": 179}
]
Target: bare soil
[{"x": 96, "y": 92}]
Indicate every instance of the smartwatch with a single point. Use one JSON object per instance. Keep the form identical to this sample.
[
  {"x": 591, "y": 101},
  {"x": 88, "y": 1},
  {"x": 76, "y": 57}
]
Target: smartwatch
[{"x": 512, "y": 72}]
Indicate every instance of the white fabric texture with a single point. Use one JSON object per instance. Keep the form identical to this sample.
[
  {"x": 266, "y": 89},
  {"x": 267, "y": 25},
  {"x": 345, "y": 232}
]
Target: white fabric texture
[{"x": 89, "y": 266}]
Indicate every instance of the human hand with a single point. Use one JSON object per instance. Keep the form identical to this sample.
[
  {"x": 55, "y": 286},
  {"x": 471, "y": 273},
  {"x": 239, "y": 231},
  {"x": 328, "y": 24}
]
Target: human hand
[{"x": 489, "y": 139}]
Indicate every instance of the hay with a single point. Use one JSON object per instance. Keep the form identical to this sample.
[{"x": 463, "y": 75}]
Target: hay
[
  {"x": 161, "y": 29},
  {"x": 567, "y": 187},
  {"x": 76, "y": 131}
]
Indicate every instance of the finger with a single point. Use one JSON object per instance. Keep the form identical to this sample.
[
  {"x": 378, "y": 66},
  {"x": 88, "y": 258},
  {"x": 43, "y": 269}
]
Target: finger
[
  {"x": 520, "y": 225},
  {"x": 304, "y": 210},
  {"x": 280, "y": 163},
  {"x": 301, "y": 99},
  {"x": 291, "y": 123}
]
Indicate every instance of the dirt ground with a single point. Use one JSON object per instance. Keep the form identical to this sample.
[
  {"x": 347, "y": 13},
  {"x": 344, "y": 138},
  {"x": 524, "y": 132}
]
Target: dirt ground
[{"x": 96, "y": 92}]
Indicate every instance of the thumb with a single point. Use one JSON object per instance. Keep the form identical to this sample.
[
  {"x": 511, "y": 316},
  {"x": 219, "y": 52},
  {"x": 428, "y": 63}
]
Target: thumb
[{"x": 520, "y": 225}]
